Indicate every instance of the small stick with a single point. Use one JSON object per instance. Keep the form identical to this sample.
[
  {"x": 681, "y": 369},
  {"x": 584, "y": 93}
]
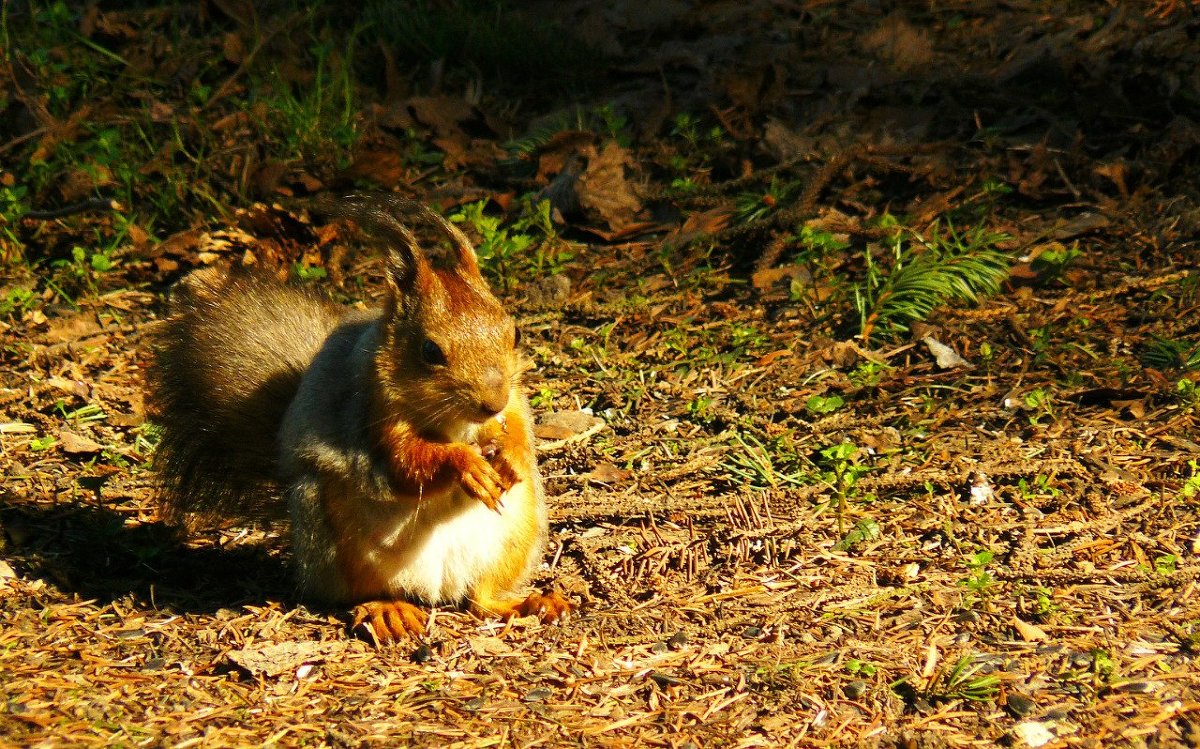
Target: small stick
[{"x": 83, "y": 206}]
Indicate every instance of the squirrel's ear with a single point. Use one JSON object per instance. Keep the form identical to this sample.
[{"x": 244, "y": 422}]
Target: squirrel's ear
[
  {"x": 404, "y": 262},
  {"x": 465, "y": 260},
  {"x": 464, "y": 252}
]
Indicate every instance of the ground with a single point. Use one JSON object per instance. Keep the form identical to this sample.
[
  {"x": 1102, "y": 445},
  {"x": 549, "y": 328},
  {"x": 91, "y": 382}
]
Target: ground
[{"x": 865, "y": 342}]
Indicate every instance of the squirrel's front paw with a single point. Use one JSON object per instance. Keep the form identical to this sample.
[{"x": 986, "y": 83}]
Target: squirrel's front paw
[
  {"x": 480, "y": 479},
  {"x": 496, "y": 458}
]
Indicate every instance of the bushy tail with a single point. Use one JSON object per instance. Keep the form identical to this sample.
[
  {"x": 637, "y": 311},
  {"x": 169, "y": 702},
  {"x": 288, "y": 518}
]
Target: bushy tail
[{"x": 226, "y": 365}]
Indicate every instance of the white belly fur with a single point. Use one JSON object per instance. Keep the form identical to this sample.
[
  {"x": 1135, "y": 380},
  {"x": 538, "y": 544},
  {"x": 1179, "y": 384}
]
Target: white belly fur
[{"x": 438, "y": 556}]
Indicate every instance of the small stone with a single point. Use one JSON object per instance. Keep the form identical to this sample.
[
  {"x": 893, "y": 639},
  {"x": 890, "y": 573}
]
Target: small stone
[
  {"x": 752, "y": 633},
  {"x": 474, "y": 704},
  {"x": 422, "y": 654},
  {"x": 1020, "y": 705},
  {"x": 855, "y": 689},
  {"x": 678, "y": 640},
  {"x": 664, "y": 680}
]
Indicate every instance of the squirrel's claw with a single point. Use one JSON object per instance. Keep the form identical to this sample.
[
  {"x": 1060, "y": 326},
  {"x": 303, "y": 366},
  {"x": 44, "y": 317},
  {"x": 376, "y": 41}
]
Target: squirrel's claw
[
  {"x": 482, "y": 481},
  {"x": 389, "y": 621},
  {"x": 550, "y": 607}
]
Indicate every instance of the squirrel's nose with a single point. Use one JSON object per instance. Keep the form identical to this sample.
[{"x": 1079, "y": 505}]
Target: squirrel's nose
[{"x": 494, "y": 394}]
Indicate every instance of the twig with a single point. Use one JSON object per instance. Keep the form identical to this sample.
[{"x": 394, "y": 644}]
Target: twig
[{"x": 83, "y": 206}]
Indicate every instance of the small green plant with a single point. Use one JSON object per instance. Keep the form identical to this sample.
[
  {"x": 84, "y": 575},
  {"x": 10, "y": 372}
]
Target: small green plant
[
  {"x": 979, "y": 581},
  {"x": 1103, "y": 666},
  {"x": 864, "y": 530},
  {"x": 842, "y": 472},
  {"x": 1037, "y": 601},
  {"x": 700, "y": 409},
  {"x": 308, "y": 273},
  {"x": 16, "y": 301},
  {"x": 925, "y": 274},
  {"x": 318, "y": 118},
  {"x": 83, "y": 415},
  {"x": 819, "y": 242},
  {"x": 855, "y": 667},
  {"x": 1039, "y": 404},
  {"x": 612, "y": 125},
  {"x": 1165, "y": 564},
  {"x": 500, "y": 249},
  {"x": 1167, "y": 353},
  {"x": 752, "y": 206},
  {"x": 765, "y": 466},
  {"x": 688, "y": 128},
  {"x": 1191, "y": 488},
  {"x": 41, "y": 444},
  {"x": 819, "y": 405},
  {"x": 1039, "y": 487},
  {"x": 1052, "y": 263},
  {"x": 1188, "y": 392},
  {"x": 964, "y": 682},
  {"x": 684, "y": 185},
  {"x": 868, "y": 374},
  {"x": 696, "y": 145},
  {"x": 543, "y": 398},
  {"x": 81, "y": 271},
  {"x": 508, "y": 251}
]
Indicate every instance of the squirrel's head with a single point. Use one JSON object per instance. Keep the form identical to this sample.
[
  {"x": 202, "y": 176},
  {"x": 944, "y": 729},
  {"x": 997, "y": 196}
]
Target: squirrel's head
[{"x": 449, "y": 356}]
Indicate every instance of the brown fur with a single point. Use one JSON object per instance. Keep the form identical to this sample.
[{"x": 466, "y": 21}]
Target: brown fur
[
  {"x": 226, "y": 365},
  {"x": 382, "y": 429}
]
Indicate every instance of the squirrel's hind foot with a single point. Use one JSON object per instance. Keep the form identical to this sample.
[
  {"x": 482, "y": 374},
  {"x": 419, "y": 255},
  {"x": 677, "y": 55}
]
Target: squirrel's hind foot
[
  {"x": 550, "y": 607},
  {"x": 389, "y": 621}
]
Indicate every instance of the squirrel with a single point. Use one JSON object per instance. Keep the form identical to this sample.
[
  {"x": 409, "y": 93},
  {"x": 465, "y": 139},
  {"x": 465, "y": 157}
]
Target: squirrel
[{"x": 397, "y": 442}]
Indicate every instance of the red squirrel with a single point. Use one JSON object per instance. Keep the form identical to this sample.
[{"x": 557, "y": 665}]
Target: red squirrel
[{"x": 397, "y": 441}]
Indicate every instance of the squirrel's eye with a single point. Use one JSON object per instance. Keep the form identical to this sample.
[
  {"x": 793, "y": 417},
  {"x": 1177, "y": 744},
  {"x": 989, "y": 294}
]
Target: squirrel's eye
[
  {"x": 516, "y": 337},
  {"x": 432, "y": 354}
]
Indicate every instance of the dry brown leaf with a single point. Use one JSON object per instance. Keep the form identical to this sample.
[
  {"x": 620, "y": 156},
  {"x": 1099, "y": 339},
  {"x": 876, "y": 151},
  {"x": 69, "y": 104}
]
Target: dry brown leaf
[
  {"x": 699, "y": 225},
  {"x": 562, "y": 148},
  {"x": 76, "y": 444},
  {"x": 564, "y": 424},
  {"x": 72, "y": 327},
  {"x": 607, "y": 473},
  {"x": 899, "y": 43},
  {"x": 605, "y": 192},
  {"x": 1029, "y": 632},
  {"x": 277, "y": 659}
]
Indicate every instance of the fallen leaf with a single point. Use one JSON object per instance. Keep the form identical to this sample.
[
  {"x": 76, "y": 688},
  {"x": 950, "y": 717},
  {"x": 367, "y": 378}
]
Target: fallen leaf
[
  {"x": 607, "y": 473},
  {"x": 769, "y": 359},
  {"x": 699, "y": 225},
  {"x": 897, "y": 42},
  {"x": 768, "y": 277},
  {"x": 280, "y": 658},
  {"x": 564, "y": 424},
  {"x": 77, "y": 444},
  {"x": 72, "y": 327},
  {"x": 1029, "y": 632},
  {"x": 562, "y": 148},
  {"x": 385, "y": 167},
  {"x": 947, "y": 358},
  {"x": 605, "y": 192}
]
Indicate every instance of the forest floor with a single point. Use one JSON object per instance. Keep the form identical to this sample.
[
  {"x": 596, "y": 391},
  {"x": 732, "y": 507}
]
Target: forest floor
[{"x": 866, "y": 345}]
